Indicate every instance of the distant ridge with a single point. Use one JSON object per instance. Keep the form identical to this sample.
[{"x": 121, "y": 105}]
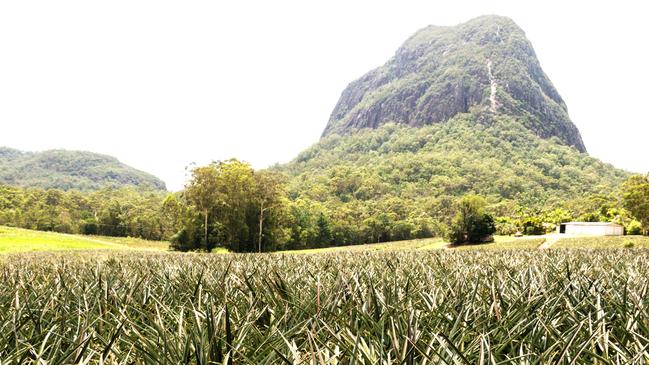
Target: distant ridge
[{"x": 70, "y": 170}]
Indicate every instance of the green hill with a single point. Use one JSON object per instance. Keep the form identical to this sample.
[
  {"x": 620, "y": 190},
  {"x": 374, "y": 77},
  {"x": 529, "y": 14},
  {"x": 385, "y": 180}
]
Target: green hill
[
  {"x": 496, "y": 157},
  {"x": 69, "y": 170},
  {"x": 457, "y": 110},
  {"x": 400, "y": 182}
]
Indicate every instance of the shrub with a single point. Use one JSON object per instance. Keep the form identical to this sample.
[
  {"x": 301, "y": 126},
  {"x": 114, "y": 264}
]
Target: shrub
[
  {"x": 89, "y": 227},
  {"x": 482, "y": 229},
  {"x": 633, "y": 228},
  {"x": 182, "y": 241},
  {"x": 402, "y": 230},
  {"x": 505, "y": 226},
  {"x": 471, "y": 224},
  {"x": 533, "y": 226}
]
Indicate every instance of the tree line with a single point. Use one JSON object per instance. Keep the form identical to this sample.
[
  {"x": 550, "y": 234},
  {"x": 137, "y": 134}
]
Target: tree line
[
  {"x": 126, "y": 211},
  {"x": 229, "y": 204}
]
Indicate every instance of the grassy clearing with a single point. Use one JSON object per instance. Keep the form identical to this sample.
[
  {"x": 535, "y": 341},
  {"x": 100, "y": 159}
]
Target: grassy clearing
[
  {"x": 136, "y": 243},
  {"x": 367, "y": 307},
  {"x": 420, "y": 244},
  {"x": 24, "y": 240},
  {"x": 507, "y": 243},
  {"x": 603, "y": 242},
  {"x": 501, "y": 242},
  {"x": 20, "y": 240}
]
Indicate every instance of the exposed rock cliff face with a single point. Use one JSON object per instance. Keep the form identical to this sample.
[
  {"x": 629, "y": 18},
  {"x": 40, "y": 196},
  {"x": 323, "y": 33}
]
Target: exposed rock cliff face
[{"x": 484, "y": 66}]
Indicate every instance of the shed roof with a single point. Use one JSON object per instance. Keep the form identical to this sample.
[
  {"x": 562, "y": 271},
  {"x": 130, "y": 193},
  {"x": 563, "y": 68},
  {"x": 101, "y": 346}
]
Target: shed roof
[{"x": 592, "y": 224}]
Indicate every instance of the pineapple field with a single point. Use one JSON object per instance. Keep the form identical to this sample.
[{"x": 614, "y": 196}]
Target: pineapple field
[{"x": 568, "y": 306}]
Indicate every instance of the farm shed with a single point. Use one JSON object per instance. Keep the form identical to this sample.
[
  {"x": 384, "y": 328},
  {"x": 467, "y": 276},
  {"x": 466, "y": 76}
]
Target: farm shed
[{"x": 591, "y": 228}]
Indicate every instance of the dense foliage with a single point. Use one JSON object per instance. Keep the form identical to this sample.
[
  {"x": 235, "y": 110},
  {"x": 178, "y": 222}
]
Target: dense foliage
[
  {"x": 111, "y": 212},
  {"x": 414, "y": 307},
  {"x": 228, "y": 204},
  {"x": 472, "y": 224},
  {"x": 636, "y": 198},
  {"x": 399, "y": 182},
  {"x": 67, "y": 170}
]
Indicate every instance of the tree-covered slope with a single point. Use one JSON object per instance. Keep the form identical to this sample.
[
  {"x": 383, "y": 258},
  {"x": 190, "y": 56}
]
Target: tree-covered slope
[
  {"x": 68, "y": 170},
  {"x": 458, "y": 110},
  {"x": 486, "y": 64},
  {"x": 399, "y": 182},
  {"x": 493, "y": 156}
]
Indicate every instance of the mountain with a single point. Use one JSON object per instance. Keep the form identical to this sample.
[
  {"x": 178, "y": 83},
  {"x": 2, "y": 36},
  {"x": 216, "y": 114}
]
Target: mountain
[
  {"x": 69, "y": 170},
  {"x": 484, "y": 65},
  {"x": 457, "y": 110}
]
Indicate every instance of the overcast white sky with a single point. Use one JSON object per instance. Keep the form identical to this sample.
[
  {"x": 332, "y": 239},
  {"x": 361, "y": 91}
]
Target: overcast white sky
[{"x": 160, "y": 84}]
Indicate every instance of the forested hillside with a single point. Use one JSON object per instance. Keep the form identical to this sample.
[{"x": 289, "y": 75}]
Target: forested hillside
[
  {"x": 493, "y": 156},
  {"x": 126, "y": 211},
  {"x": 67, "y": 170},
  {"x": 458, "y": 110},
  {"x": 402, "y": 182}
]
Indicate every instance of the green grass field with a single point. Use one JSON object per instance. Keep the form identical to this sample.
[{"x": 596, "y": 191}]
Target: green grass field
[
  {"x": 506, "y": 243},
  {"x": 604, "y": 242},
  {"x": 24, "y": 240},
  {"x": 420, "y": 244},
  {"x": 500, "y": 242}
]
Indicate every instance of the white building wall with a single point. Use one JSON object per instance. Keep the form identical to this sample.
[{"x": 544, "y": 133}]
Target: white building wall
[
  {"x": 595, "y": 230},
  {"x": 614, "y": 231}
]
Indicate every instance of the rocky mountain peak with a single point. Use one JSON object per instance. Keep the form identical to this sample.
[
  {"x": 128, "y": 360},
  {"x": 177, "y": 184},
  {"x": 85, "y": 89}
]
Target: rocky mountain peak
[{"x": 484, "y": 66}]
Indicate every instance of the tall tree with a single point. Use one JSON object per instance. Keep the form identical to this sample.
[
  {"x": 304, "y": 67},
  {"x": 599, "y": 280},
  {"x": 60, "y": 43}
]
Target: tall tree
[
  {"x": 635, "y": 195},
  {"x": 235, "y": 185},
  {"x": 270, "y": 192},
  {"x": 471, "y": 224},
  {"x": 203, "y": 191}
]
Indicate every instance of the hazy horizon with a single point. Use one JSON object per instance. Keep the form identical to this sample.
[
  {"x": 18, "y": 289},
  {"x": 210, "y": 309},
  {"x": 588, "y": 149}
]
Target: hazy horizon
[{"x": 159, "y": 85}]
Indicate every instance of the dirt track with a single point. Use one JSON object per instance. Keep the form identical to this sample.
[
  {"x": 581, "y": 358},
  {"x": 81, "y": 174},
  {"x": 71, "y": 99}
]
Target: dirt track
[{"x": 549, "y": 241}]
